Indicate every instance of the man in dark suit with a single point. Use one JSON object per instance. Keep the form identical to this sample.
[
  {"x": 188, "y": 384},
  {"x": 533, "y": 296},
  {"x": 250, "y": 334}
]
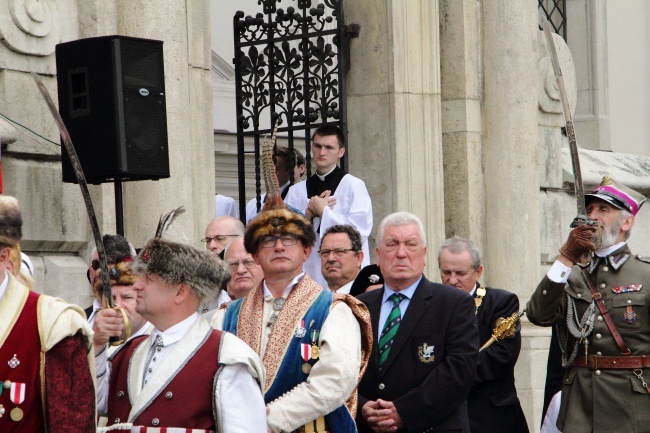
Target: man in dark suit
[
  {"x": 492, "y": 403},
  {"x": 425, "y": 341}
]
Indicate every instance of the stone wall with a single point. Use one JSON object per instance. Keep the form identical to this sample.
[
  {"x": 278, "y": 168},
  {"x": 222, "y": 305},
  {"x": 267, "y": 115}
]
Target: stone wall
[{"x": 57, "y": 235}]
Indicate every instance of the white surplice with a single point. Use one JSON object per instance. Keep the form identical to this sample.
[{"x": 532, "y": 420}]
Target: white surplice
[{"x": 353, "y": 207}]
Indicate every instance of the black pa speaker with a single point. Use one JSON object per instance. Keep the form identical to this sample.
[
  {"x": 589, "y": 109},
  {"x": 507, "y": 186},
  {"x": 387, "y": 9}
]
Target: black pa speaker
[{"x": 112, "y": 100}]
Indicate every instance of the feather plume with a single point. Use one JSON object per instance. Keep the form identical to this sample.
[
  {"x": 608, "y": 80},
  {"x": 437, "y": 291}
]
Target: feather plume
[
  {"x": 166, "y": 220},
  {"x": 273, "y": 199}
]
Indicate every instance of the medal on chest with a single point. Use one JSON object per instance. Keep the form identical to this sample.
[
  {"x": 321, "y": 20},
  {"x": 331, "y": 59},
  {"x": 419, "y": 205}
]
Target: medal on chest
[{"x": 478, "y": 299}]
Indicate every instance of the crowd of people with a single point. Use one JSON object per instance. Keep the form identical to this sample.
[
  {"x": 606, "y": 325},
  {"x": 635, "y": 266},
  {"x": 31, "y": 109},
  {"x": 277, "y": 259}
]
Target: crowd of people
[{"x": 283, "y": 325}]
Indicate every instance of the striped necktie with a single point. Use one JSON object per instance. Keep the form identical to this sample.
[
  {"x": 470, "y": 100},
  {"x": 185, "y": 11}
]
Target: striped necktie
[{"x": 390, "y": 327}]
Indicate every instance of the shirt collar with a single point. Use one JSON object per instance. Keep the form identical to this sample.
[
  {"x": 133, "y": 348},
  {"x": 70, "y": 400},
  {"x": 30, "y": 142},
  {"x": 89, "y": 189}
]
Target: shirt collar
[
  {"x": 474, "y": 289},
  {"x": 323, "y": 176},
  {"x": 408, "y": 292},
  {"x": 3, "y": 286},
  {"x": 286, "y": 291},
  {"x": 609, "y": 250},
  {"x": 176, "y": 332}
]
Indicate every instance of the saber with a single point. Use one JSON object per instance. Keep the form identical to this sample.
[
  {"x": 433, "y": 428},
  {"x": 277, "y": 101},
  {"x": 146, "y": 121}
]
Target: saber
[
  {"x": 78, "y": 171},
  {"x": 581, "y": 218}
]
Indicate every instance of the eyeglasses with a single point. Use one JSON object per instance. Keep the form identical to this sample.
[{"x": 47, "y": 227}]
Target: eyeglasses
[
  {"x": 234, "y": 264},
  {"x": 217, "y": 238},
  {"x": 286, "y": 239},
  {"x": 338, "y": 252}
]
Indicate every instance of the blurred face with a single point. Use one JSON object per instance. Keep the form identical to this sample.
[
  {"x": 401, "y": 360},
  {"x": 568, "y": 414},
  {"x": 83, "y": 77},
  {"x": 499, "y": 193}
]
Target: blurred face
[
  {"x": 609, "y": 217},
  {"x": 125, "y": 297},
  {"x": 326, "y": 152},
  {"x": 456, "y": 270},
  {"x": 281, "y": 261},
  {"x": 245, "y": 273},
  {"x": 155, "y": 298},
  {"x": 401, "y": 256},
  {"x": 219, "y": 234},
  {"x": 339, "y": 265},
  {"x": 282, "y": 170}
]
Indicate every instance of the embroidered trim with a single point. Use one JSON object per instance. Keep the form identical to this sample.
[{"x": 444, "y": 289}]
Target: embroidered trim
[{"x": 249, "y": 323}]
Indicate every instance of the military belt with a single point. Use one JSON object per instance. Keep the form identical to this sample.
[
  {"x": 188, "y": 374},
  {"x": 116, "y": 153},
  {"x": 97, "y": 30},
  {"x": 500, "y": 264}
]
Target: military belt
[{"x": 595, "y": 362}]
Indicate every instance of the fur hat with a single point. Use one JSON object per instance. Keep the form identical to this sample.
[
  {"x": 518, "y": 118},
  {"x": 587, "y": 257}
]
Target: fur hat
[
  {"x": 203, "y": 271},
  {"x": 120, "y": 274},
  {"x": 11, "y": 222},
  {"x": 280, "y": 221}
]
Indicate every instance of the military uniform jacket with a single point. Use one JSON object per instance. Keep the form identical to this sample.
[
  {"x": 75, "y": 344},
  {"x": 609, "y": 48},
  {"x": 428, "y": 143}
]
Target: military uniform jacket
[
  {"x": 431, "y": 364},
  {"x": 492, "y": 403},
  {"x": 602, "y": 400}
]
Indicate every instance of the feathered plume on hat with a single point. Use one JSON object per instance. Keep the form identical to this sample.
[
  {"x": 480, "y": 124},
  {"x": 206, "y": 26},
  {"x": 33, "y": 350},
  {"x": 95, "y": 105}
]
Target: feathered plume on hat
[
  {"x": 276, "y": 216},
  {"x": 203, "y": 271},
  {"x": 11, "y": 222}
]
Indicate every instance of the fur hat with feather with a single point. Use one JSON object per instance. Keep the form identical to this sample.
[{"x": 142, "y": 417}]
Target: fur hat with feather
[{"x": 278, "y": 221}]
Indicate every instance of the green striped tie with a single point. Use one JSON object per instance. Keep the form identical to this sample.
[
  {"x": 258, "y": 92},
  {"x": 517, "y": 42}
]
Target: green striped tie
[{"x": 390, "y": 327}]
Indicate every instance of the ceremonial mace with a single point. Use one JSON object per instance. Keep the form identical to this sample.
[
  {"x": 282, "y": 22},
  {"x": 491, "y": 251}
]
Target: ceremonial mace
[
  {"x": 506, "y": 327},
  {"x": 78, "y": 171}
]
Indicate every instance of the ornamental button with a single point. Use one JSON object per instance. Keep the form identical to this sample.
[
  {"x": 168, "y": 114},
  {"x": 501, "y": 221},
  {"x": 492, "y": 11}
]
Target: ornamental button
[
  {"x": 599, "y": 353},
  {"x": 579, "y": 295},
  {"x": 598, "y": 336},
  {"x": 600, "y": 318},
  {"x": 629, "y": 302},
  {"x": 605, "y": 268},
  {"x": 120, "y": 394},
  {"x": 382, "y": 386},
  {"x": 155, "y": 421},
  {"x": 597, "y": 372},
  {"x": 168, "y": 395},
  {"x": 603, "y": 285},
  {"x": 544, "y": 292}
]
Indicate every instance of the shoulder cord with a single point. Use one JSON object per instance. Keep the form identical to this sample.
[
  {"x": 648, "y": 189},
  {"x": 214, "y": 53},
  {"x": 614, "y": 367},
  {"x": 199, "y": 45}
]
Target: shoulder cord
[{"x": 580, "y": 331}]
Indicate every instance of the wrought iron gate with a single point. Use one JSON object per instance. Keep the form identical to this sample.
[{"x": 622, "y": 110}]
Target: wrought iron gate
[{"x": 290, "y": 65}]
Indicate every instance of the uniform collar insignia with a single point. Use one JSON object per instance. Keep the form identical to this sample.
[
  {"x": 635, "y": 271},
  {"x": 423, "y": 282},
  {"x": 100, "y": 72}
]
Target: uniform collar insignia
[{"x": 618, "y": 260}]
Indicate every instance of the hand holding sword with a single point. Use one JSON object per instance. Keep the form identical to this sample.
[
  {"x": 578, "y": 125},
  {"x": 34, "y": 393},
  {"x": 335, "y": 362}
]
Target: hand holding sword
[{"x": 577, "y": 246}]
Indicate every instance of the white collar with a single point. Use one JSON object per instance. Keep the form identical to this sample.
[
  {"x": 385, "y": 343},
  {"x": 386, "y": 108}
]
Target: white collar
[
  {"x": 286, "y": 291},
  {"x": 5, "y": 283},
  {"x": 323, "y": 176},
  {"x": 609, "y": 250},
  {"x": 345, "y": 288},
  {"x": 176, "y": 332}
]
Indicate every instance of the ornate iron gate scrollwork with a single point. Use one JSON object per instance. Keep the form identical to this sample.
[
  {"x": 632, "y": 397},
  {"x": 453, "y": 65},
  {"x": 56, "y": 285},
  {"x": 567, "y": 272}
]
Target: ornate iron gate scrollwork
[{"x": 289, "y": 64}]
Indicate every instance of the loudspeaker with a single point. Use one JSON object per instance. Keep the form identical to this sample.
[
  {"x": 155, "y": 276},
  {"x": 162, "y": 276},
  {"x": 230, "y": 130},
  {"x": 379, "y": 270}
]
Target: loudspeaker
[{"x": 112, "y": 100}]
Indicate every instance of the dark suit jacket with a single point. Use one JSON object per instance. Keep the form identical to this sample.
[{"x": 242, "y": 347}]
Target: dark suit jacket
[
  {"x": 492, "y": 403},
  {"x": 429, "y": 392},
  {"x": 88, "y": 311}
]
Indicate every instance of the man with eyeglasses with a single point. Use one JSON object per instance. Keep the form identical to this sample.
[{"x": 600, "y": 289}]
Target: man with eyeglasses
[
  {"x": 220, "y": 232},
  {"x": 245, "y": 274},
  {"x": 309, "y": 339},
  {"x": 341, "y": 257}
]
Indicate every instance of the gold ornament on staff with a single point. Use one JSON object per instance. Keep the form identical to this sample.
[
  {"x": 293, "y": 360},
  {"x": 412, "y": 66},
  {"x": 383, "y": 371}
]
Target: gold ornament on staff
[{"x": 506, "y": 327}]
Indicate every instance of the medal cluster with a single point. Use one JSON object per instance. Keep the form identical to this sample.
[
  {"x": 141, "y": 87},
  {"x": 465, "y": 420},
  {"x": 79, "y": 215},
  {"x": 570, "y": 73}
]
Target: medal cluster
[{"x": 17, "y": 396}]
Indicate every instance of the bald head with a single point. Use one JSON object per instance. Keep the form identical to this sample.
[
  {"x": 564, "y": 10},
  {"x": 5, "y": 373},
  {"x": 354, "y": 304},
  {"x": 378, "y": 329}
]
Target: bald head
[{"x": 221, "y": 231}]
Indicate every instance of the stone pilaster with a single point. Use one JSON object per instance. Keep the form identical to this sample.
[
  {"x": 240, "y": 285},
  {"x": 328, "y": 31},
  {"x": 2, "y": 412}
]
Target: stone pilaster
[{"x": 394, "y": 111}]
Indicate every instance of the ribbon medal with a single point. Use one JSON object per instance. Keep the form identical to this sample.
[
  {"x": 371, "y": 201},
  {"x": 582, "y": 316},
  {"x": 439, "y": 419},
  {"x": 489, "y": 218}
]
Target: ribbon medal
[
  {"x": 305, "y": 353},
  {"x": 301, "y": 331},
  {"x": 315, "y": 350},
  {"x": 17, "y": 396}
]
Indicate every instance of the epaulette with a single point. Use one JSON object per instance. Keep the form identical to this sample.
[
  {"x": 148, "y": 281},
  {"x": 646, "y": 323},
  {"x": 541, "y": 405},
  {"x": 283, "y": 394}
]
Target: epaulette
[{"x": 643, "y": 258}]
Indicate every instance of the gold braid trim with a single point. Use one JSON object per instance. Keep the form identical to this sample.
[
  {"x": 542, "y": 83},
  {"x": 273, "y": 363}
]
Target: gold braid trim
[
  {"x": 250, "y": 326},
  {"x": 362, "y": 315}
]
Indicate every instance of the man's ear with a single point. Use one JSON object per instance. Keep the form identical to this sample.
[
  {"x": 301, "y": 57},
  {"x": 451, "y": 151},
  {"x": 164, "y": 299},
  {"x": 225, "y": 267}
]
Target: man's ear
[
  {"x": 5, "y": 257},
  {"x": 182, "y": 293}
]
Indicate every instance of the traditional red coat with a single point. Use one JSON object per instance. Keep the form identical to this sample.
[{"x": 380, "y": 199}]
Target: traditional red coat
[{"x": 44, "y": 359}]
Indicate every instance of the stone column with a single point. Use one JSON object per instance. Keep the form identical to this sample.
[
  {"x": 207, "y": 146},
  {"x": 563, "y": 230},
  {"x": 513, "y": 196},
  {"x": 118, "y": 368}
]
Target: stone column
[
  {"x": 461, "y": 120},
  {"x": 510, "y": 152},
  {"x": 184, "y": 28},
  {"x": 394, "y": 111}
]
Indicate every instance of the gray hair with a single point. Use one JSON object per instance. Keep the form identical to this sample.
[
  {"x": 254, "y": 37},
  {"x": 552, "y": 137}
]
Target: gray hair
[
  {"x": 458, "y": 245},
  {"x": 237, "y": 226},
  {"x": 401, "y": 219}
]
